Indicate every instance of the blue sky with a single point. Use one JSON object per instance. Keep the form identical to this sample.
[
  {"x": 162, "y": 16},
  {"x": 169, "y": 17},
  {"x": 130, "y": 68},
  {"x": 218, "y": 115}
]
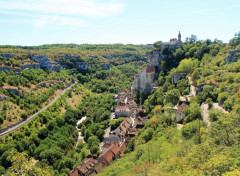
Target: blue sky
[{"x": 36, "y": 22}]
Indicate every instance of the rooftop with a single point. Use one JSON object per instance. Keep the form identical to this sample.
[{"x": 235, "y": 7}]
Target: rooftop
[
  {"x": 122, "y": 108},
  {"x": 181, "y": 107}
]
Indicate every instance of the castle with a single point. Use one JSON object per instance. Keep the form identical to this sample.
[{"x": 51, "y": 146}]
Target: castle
[{"x": 147, "y": 78}]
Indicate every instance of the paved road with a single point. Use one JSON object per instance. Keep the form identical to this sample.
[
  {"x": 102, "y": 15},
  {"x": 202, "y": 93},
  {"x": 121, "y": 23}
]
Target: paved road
[
  {"x": 205, "y": 115},
  {"x": 34, "y": 115}
]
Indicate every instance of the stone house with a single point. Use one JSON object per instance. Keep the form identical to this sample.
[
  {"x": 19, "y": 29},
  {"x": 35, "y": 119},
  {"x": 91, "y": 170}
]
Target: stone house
[
  {"x": 180, "y": 114},
  {"x": 111, "y": 154},
  {"x": 122, "y": 111},
  {"x": 145, "y": 80},
  {"x": 112, "y": 138},
  {"x": 125, "y": 126},
  {"x": 86, "y": 168},
  {"x": 178, "y": 76}
]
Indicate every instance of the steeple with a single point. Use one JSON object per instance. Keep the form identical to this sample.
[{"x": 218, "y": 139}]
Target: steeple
[{"x": 179, "y": 36}]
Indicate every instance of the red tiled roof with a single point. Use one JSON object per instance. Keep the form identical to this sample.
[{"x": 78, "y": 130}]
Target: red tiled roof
[
  {"x": 115, "y": 149},
  {"x": 106, "y": 145},
  {"x": 109, "y": 154},
  {"x": 73, "y": 173},
  {"x": 98, "y": 167},
  {"x": 82, "y": 169},
  {"x": 125, "y": 125},
  {"x": 181, "y": 107},
  {"x": 122, "y": 108},
  {"x": 87, "y": 164},
  {"x": 122, "y": 148}
]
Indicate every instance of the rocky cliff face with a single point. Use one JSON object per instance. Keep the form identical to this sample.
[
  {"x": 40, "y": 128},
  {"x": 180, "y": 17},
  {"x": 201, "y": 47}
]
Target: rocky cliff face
[
  {"x": 234, "y": 56},
  {"x": 81, "y": 65},
  {"x": 6, "y": 55},
  {"x": 43, "y": 61},
  {"x": 34, "y": 66}
]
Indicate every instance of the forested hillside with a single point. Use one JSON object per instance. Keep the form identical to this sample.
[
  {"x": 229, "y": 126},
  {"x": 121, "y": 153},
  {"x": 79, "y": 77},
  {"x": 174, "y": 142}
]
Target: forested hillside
[
  {"x": 206, "y": 141},
  {"x": 49, "y": 144}
]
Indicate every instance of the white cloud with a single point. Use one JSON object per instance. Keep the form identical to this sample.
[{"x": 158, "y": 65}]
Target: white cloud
[
  {"x": 57, "y": 12},
  {"x": 41, "y": 20},
  {"x": 87, "y": 8}
]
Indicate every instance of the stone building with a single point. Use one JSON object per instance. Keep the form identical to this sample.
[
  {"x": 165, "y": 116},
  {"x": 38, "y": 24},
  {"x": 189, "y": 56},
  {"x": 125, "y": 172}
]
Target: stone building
[
  {"x": 150, "y": 46},
  {"x": 146, "y": 78},
  {"x": 178, "y": 76},
  {"x": 122, "y": 111},
  {"x": 173, "y": 43},
  {"x": 180, "y": 115},
  {"x": 86, "y": 168}
]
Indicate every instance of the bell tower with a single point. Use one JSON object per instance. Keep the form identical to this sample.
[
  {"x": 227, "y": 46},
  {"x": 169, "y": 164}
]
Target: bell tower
[
  {"x": 179, "y": 37},
  {"x": 179, "y": 40}
]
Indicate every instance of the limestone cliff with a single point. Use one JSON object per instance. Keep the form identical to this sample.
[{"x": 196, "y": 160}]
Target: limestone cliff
[{"x": 234, "y": 56}]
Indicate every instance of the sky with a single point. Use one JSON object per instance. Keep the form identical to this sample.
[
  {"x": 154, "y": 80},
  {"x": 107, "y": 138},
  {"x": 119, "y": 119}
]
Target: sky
[{"x": 37, "y": 22}]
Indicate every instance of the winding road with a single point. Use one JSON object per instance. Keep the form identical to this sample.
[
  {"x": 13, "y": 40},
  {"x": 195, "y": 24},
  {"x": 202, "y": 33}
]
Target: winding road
[{"x": 14, "y": 127}]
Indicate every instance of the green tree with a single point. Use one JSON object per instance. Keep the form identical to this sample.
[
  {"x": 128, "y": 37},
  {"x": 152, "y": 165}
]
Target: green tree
[
  {"x": 24, "y": 115},
  {"x": 172, "y": 96}
]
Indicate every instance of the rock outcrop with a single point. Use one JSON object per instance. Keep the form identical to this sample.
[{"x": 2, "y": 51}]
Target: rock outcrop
[
  {"x": 234, "y": 56},
  {"x": 34, "y": 66},
  {"x": 81, "y": 66},
  {"x": 7, "y": 55},
  {"x": 106, "y": 66}
]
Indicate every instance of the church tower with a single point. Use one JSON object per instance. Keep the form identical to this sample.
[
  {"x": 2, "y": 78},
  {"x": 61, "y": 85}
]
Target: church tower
[
  {"x": 179, "y": 37},
  {"x": 179, "y": 40}
]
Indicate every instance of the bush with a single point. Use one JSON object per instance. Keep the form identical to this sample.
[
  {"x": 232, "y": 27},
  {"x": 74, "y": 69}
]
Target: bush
[
  {"x": 24, "y": 115},
  {"x": 1, "y": 120},
  {"x": 214, "y": 114},
  {"x": 189, "y": 130},
  {"x": 209, "y": 102}
]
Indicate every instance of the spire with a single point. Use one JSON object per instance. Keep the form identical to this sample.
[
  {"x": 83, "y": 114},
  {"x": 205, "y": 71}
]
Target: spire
[{"x": 179, "y": 36}]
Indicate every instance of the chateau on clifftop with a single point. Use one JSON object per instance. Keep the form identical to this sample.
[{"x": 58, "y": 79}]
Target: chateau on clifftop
[{"x": 147, "y": 78}]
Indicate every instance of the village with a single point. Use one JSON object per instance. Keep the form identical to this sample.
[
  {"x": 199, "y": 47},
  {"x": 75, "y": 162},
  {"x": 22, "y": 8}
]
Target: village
[{"x": 116, "y": 141}]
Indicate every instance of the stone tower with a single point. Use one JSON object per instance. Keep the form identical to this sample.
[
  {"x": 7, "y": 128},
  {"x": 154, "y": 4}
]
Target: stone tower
[
  {"x": 179, "y": 40},
  {"x": 179, "y": 37}
]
